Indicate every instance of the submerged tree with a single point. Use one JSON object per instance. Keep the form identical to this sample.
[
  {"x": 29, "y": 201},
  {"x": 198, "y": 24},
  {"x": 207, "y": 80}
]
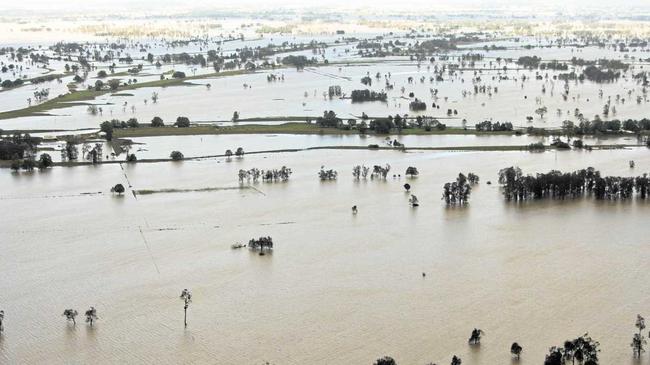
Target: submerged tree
[
  {"x": 583, "y": 349},
  {"x": 91, "y": 316},
  {"x": 380, "y": 171},
  {"x": 261, "y": 243},
  {"x": 475, "y": 337},
  {"x": 186, "y": 296},
  {"x": 359, "y": 171},
  {"x": 118, "y": 188},
  {"x": 515, "y": 349},
  {"x": 70, "y": 315},
  {"x": 638, "y": 340},
  {"x": 412, "y": 171},
  {"x": 457, "y": 192},
  {"x": 386, "y": 360},
  {"x": 327, "y": 174}
]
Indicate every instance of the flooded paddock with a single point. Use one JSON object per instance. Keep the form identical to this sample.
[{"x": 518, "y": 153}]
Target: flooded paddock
[{"x": 338, "y": 287}]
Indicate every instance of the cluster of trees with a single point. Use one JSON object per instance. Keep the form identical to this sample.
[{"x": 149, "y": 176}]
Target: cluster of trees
[
  {"x": 239, "y": 152},
  {"x": 254, "y": 174},
  {"x": 299, "y": 62},
  {"x": 359, "y": 96},
  {"x": 28, "y": 164},
  {"x": 359, "y": 171},
  {"x": 6, "y": 84},
  {"x": 529, "y": 61},
  {"x": 558, "y": 185},
  {"x": 457, "y": 192},
  {"x": 327, "y": 174},
  {"x": 488, "y": 126},
  {"x": 595, "y": 74},
  {"x": 71, "y": 314},
  {"x": 605, "y": 126},
  {"x": 583, "y": 349},
  {"x": 17, "y": 146},
  {"x": 417, "y": 105},
  {"x": 261, "y": 243},
  {"x": 380, "y": 172},
  {"x": 109, "y": 126}
]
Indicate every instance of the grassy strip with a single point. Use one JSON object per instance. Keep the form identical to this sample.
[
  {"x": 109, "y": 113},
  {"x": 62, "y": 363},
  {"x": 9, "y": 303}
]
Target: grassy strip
[
  {"x": 285, "y": 128},
  {"x": 6, "y": 163},
  {"x": 75, "y": 98},
  {"x": 173, "y": 190}
]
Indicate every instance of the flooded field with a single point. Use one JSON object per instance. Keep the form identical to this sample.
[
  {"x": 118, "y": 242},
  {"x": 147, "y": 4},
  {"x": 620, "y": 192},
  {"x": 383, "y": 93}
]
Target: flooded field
[
  {"x": 356, "y": 271},
  {"x": 355, "y": 286}
]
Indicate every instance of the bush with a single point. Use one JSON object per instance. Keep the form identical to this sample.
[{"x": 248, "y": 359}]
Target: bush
[
  {"x": 176, "y": 155},
  {"x": 157, "y": 122},
  {"x": 45, "y": 161},
  {"x": 182, "y": 122},
  {"x": 178, "y": 75}
]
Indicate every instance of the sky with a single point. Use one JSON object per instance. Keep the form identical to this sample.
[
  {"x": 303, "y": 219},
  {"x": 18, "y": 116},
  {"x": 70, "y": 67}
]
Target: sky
[{"x": 119, "y": 6}]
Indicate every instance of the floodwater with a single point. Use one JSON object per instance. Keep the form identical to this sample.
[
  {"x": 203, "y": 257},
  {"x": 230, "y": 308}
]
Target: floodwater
[{"x": 338, "y": 288}]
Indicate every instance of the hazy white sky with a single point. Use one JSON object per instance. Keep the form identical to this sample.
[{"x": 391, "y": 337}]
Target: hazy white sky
[{"x": 431, "y": 5}]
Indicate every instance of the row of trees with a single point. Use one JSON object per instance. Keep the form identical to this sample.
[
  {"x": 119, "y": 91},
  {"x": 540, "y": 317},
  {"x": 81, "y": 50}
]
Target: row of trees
[
  {"x": 272, "y": 175},
  {"x": 558, "y": 185}
]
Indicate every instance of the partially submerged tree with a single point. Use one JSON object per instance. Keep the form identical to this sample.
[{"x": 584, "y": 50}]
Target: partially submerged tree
[
  {"x": 583, "y": 350},
  {"x": 186, "y": 296},
  {"x": 516, "y": 349},
  {"x": 176, "y": 155},
  {"x": 118, "y": 188},
  {"x": 2, "y": 321},
  {"x": 412, "y": 171},
  {"x": 91, "y": 316},
  {"x": 475, "y": 337},
  {"x": 386, "y": 360},
  {"x": 457, "y": 192},
  {"x": 456, "y": 360},
  {"x": 239, "y": 152},
  {"x": 45, "y": 161},
  {"x": 261, "y": 243},
  {"x": 638, "y": 340},
  {"x": 70, "y": 315},
  {"x": 327, "y": 174}
]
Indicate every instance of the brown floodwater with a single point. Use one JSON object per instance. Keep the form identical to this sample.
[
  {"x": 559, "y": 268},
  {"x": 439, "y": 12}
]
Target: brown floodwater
[{"x": 338, "y": 288}]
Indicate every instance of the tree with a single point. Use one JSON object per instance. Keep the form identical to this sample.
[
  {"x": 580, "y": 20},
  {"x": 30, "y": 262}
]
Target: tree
[
  {"x": 101, "y": 74},
  {"x": 186, "y": 296},
  {"x": 118, "y": 188},
  {"x": 515, "y": 349},
  {"x": 2, "y": 320},
  {"x": 28, "y": 164},
  {"x": 228, "y": 153},
  {"x": 45, "y": 161},
  {"x": 131, "y": 157},
  {"x": 182, "y": 122},
  {"x": 475, "y": 337},
  {"x": 239, "y": 152},
  {"x": 107, "y": 128},
  {"x": 178, "y": 75},
  {"x": 638, "y": 340},
  {"x": 99, "y": 84},
  {"x": 412, "y": 171},
  {"x": 70, "y": 315},
  {"x": 114, "y": 84},
  {"x": 235, "y": 116},
  {"x": 157, "y": 122},
  {"x": 455, "y": 360},
  {"x": 91, "y": 316},
  {"x": 386, "y": 360},
  {"x": 176, "y": 155}
]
